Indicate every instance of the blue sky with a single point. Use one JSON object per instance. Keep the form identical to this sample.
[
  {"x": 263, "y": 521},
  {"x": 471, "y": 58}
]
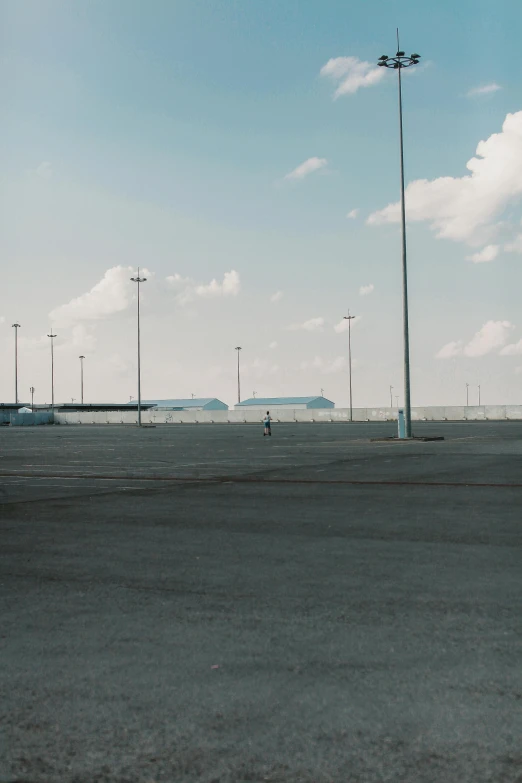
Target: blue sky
[{"x": 161, "y": 133}]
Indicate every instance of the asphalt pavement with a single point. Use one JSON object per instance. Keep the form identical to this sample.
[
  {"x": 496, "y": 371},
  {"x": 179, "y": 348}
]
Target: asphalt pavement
[{"x": 197, "y": 602}]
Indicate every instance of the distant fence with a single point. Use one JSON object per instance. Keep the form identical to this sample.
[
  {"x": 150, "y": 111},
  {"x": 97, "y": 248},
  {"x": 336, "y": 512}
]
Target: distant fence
[
  {"x": 30, "y": 419},
  {"x": 441, "y": 413}
]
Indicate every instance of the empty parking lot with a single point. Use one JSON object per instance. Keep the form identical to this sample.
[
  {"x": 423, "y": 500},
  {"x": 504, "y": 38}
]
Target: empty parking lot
[{"x": 198, "y": 602}]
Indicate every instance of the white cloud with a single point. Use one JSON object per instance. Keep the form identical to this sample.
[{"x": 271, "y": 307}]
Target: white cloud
[
  {"x": 486, "y": 89},
  {"x": 466, "y": 208},
  {"x": 188, "y": 289},
  {"x": 229, "y": 287},
  {"x": 364, "y": 290},
  {"x": 325, "y": 366},
  {"x": 492, "y": 335},
  {"x": 111, "y": 295},
  {"x": 450, "y": 350},
  {"x": 351, "y": 74},
  {"x": 515, "y": 246},
  {"x": 259, "y": 368},
  {"x": 44, "y": 170},
  {"x": 342, "y": 326},
  {"x": 352, "y": 214},
  {"x": 276, "y": 297},
  {"x": 488, "y": 253},
  {"x": 83, "y": 338},
  {"x": 313, "y": 325},
  {"x": 515, "y": 349},
  {"x": 307, "y": 167},
  {"x": 273, "y": 344}
]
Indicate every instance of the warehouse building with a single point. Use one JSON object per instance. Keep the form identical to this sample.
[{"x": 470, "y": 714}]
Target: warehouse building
[
  {"x": 196, "y": 404},
  {"x": 285, "y": 403}
]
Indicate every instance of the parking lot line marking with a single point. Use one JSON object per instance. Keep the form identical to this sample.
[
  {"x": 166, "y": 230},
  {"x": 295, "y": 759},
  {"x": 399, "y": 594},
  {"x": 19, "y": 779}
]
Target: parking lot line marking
[{"x": 261, "y": 480}]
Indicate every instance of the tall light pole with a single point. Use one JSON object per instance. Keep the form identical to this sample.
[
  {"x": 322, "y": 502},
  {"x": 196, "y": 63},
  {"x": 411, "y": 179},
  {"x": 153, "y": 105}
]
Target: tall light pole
[
  {"x": 52, "y": 336},
  {"x": 350, "y": 318},
  {"x": 139, "y": 280},
  {"x": 16, "y": 328},
  {"x": 238, "y": 349},
  {"x": 479, "y": 393},
  {"x": 398, "y": 62},
  {"x": 81, "y": 376},
  {"x": 32, "y": 398},
  {"x": 467, "y": 395},
  {"x": 391, "y": 397}
]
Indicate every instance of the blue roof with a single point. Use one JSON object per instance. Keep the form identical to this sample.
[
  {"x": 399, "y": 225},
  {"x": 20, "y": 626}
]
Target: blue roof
[
  {"x": 279, "y": 401},
  {"x": 198, "y": 402}
]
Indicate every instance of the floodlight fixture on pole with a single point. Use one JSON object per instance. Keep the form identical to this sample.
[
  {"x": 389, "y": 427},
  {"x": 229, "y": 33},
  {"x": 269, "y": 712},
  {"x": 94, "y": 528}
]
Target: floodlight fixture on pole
[
  {"x": 399, "y": 61},
  {"x": 16, "y": 328},
  {"x": 32, "y": 398},
  {"x": 81, "y": 376},
  {"x": 139, "y": 280},
  {"x": 52, "y": 336},
  {"x": 350, "y": 318},
  {"x": 391, "y": 397},
  {"x": 238, "y": 349}
]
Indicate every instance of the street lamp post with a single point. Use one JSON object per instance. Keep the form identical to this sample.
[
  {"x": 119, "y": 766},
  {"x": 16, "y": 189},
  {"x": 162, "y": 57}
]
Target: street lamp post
[
  {"x": 81, "y": 376},
  {"x": 479, "y": 394},
  {"x": 467, "y": 395},
  {"x": 238, "y": 349},
  {"x": 32, "y": 398},
  {"x": 391, "y": 397},
  {"x": 398, "y": 62},
  {"x": 350, "y": 318},
  {"x": 139, "y": 280},
  {"x": 16, "y": 328},
  {"x": 52, "y": 336}
]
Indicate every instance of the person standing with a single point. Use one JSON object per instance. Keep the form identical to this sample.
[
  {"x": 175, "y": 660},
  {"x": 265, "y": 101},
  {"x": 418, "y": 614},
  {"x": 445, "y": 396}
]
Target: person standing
[{"x": 267, "y": 422}]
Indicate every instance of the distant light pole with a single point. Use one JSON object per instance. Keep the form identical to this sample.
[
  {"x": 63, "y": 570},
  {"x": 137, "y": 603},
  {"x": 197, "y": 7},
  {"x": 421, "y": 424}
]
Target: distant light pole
[
  {"x": 131, "y": 398},
  {"x": 391, "y": 397},
  {"x": 254, "y": 394},
  {"x": 467, "y": 395},
  {"x": 32, "y": 398},
  {"x": 16, "y": 328},
  {"x": 398, "y": 62},
  {"x": 350, "y": 318},
  {"x": 192, "y": 396},
  {"x": 479, "y": 394},
  {"x": 81, "y": 376},
  {"x": 238, "y": 349},
  {"x": 52, "y": 336},
  {"x": 322, "y": 392},
  {"x": 139, "y": 280},
  {"x": 72, "y": 399}
]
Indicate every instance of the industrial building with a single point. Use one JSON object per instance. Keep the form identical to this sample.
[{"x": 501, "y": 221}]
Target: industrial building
[
  {"x": 196, "y": 404},
  {"x": 285, "y": 403}
]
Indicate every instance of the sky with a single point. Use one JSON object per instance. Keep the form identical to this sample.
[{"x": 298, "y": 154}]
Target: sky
[{"x": 245, "y": 156}]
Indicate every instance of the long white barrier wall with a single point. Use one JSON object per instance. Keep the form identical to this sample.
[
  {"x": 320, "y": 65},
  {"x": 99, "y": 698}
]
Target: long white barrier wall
[{"x": 449, "y": 413}]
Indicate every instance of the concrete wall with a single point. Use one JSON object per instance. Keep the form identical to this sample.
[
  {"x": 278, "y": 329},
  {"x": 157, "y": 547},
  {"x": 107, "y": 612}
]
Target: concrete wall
[{"x": 249, "y": 416}]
